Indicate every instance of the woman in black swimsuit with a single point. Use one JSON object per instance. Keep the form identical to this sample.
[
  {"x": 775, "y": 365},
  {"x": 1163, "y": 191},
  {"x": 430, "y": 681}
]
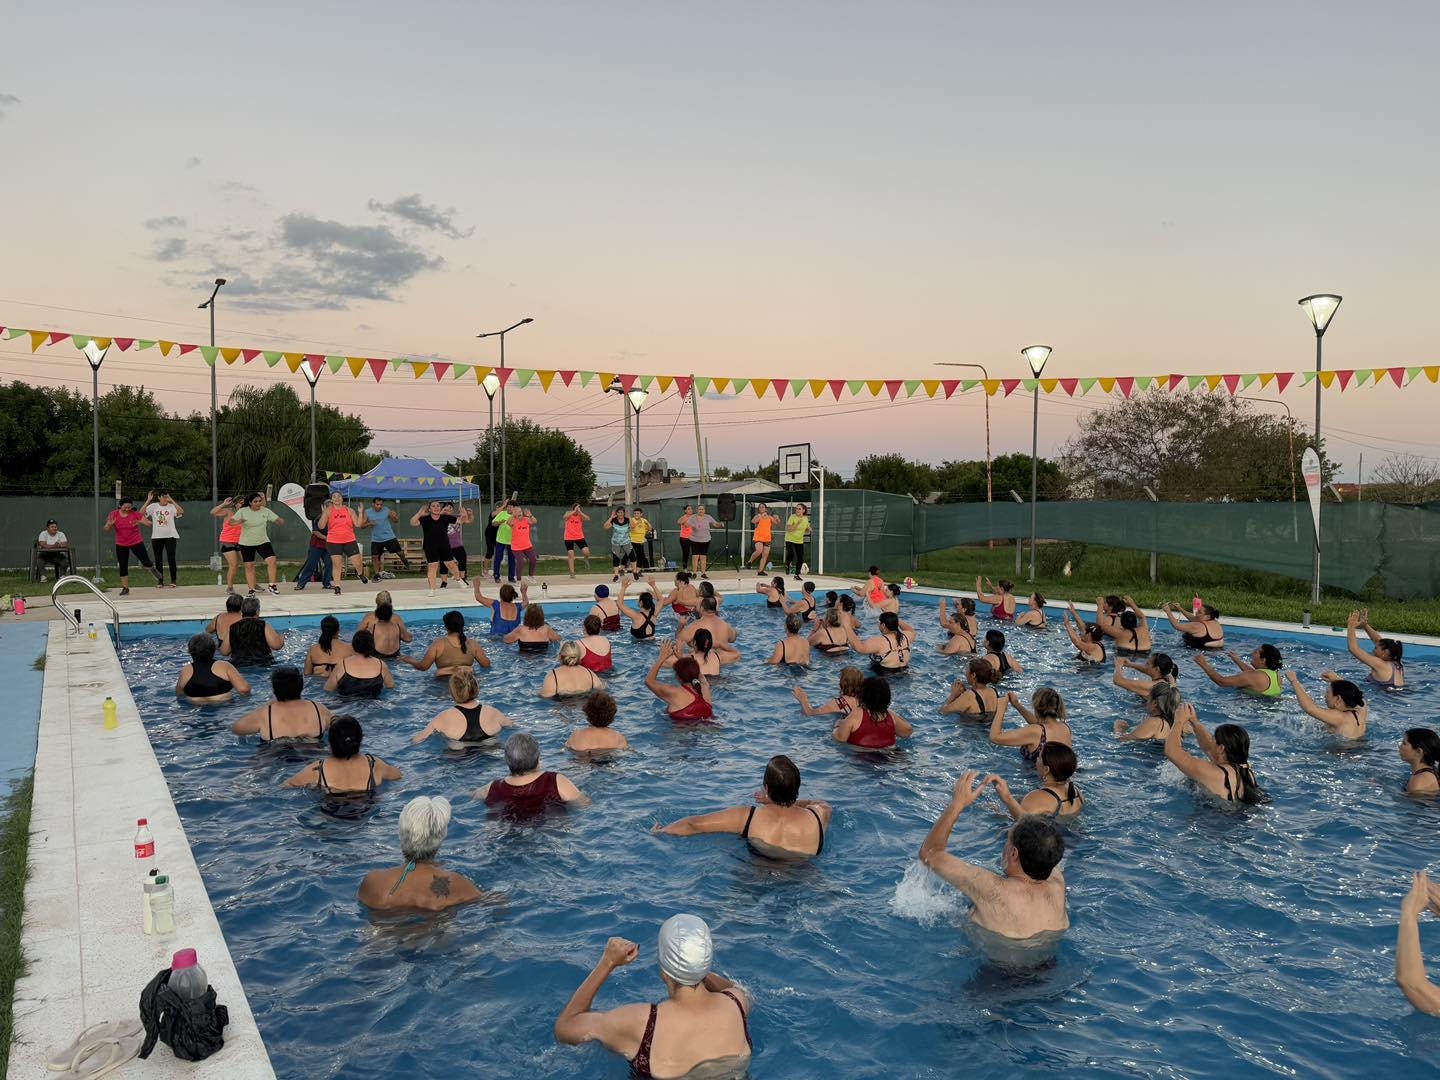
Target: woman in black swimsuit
[
  {"x": 1344, "y": 712},
  {"x": 329, "y": 650},
  {"x": 1420, "y": 749},
  {"x": 1203, "y": 632},
  {"x": 362, "y": 674},
  {"x": 533, "y": 635},
  {"x": 829, "y": 636},
  {"x": 1046, "y": 721},
  {"x": 974, "y": 696},
  {"x": 205, "y": 680},
  {"x": 289, "y": 717},
  {"x": 1227, "y": 773},
  {"x": 996, "y": 656},
  {"x": 1159, "y": 668},
  {"x": 780, "y": 825},
  {"x": 774, "y": 592},
  {"x": 642, "y": 621},
  {"x": 345, "y": 771},
  {"x": 805, "y": 606},
  {"x": 1056, "y": 796},
  {"x": 1163, "y": 700},
  {"x": 467, "y": 722},
  {"x": 792, "y": 648},
  {"x": 1088, "y": 638},
  {"x": 889, "y": 651}
]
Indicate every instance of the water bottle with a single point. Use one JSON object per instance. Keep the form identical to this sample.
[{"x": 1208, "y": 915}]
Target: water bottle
[
  {"x": 111, "y": 721},
  {"x": 545, "y": 589},
  {"x": 162, "y": 907},
  {"x": 144, "y": 848},
  {"x": 1196, "y": 607},
  {"x": 187, "y": 977},
  {"x": 20, "y": 605},
  {"x": 90, "y": 632},
  {"x": 147, "y": 911}
]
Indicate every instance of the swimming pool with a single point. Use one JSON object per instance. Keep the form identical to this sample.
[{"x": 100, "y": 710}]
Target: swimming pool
[{"x": 1205, "y": 940}]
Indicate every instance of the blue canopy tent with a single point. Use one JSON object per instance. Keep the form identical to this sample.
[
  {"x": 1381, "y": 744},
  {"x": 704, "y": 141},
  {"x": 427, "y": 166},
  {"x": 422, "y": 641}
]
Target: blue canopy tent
[{"x": 407, "y": 478}]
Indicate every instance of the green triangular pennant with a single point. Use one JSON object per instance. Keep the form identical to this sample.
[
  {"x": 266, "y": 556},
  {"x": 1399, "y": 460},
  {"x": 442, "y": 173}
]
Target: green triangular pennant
[
  {"x": 523, "y": 377},
  {"x": 1411, "y": 372},
  {"x": 1247, "y": 380},
  {"x": 1192, "y": 381},
  {"x": 144, "y": 343},
  {"x": 1086, "y": 384},
  {"x": 855, "y": 386},
  {"x": 273, "y": 358},
  {"x": 586, "y": 377},
  {"x": 80, "y": 340},
  {"x": 645, "y": 381},
  {"x": 1306, "y": 378},
  {"x": 702, "y": 384},
  {"x": 1029, "y": 385},
  {"x": 1362, "y": 376},
  {"x": 968, "y": 384},
  {"x": 911, "y": 385},
  {"x": 209, "y": 352},
  {"x": 462, "y": 369},
  {"x": 796, "y": 385},
  {"x": 1143, "y": 382},
  {"x": 12, "y": 333},
  {"x": 738, "y": 385}
]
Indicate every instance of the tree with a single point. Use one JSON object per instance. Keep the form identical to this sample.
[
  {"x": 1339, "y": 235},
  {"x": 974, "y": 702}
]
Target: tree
[
  {"x": 964, "y": 481},
  {"x": 1186, "y": 447},
  {"x": 1406, "y": 478},
  {"x": 141, "y": 445},
  {"x": 265, "y": 440},
  {"x": 893, "y": 473},
  {"x": 546, "y": 466},
  {"x": 771, "y": 472},
  {"x": 31, "y": 420}
]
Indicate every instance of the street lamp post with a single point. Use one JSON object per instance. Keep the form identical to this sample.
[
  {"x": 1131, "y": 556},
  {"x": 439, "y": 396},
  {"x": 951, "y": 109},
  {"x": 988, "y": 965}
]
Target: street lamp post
[
  {"x": 96, "y": 356},
  {"x": 214, "y": 437},
  {"x": 312, "y": 376},
  {"x": 1035, "y": 355},
  {"x": 504, "y": 479},
  {"x": 490, "y": 384},
  {"x": 1321, "y": 308},
  {"x": 637, "y": 400}
]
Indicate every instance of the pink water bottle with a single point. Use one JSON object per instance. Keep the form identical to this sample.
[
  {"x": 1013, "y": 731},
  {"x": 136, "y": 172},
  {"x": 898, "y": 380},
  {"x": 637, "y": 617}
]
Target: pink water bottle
[
  {"x": 19, "y": 605},
  {"x": 1196, "y": 606}
]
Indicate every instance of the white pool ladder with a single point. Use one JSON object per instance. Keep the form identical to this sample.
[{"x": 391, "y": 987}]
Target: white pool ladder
[{"x": 76, "y": 579}]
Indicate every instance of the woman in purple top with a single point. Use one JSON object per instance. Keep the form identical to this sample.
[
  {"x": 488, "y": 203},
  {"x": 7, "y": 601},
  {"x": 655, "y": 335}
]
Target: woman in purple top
[{"x": 699, "y": 523}]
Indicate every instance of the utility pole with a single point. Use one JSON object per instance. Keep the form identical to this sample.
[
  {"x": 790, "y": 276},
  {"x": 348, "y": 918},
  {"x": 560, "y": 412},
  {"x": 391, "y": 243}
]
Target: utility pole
[
  {"x": 699, "y": 445},
  {"x": 629, "y": 454}
]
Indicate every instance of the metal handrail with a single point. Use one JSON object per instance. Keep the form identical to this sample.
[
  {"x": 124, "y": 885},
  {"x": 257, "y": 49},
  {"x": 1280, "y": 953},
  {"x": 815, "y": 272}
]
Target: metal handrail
[{"x": 76, "y": 579}]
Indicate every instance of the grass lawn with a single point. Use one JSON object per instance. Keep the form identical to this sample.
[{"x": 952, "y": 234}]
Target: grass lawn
[
  {"x": 1099, "y": 571},
  {"x": 14, "y": 869}
]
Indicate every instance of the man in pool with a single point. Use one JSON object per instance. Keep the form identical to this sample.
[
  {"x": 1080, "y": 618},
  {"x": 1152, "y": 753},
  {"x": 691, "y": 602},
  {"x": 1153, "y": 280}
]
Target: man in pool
[
  {"x": 1028, "y": 898},
  {"x": 701, "y": 1028},
  {"x": 721, "y": 632}
]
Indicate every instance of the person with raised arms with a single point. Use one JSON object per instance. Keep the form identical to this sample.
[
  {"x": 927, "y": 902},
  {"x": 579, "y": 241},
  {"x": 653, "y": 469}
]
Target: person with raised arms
[
  {"x": 504, "y": 521},
  {"x": 688, "y": 698},
  {"x": 1157, "y": 669},
  {"x": 780, "y": 824},
  {"x": 642, "y": 619},
  {"x": 1046, "y": 722},
  {"x": 1227, "y": 773},
  {"x": 1001, "y": 598},
  {"x": 1344, "y": 712},
  {"x": 959, "y": 637},
  {"x": 1202, "y": 632},
  {"x": 505, "y": 613},
  {"x": 434, "y": 526},
  {"x": 1409, "y": 960},
  {"x": 229, "y": 537},
  {"x": 1386, "y": 663},
  {"x": 575, "y": 519},
  {"x": 1028, "y": 897},
  {"x": 1120, "y": 618},
  {"x": 1088, "y": 638},
  {"x": 764, "y": 522},
  {"x": 1259, "y": 676}
]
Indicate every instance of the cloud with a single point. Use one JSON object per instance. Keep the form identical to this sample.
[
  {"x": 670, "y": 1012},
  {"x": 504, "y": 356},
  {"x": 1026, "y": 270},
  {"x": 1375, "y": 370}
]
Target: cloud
[
  {"x": 168, "y": 222},
  {"x": 193, "y": 162},
  {"x": 169, "y": 249},
  {"x": 410, "y": 208},
  {"x": 6, "y": 101}
]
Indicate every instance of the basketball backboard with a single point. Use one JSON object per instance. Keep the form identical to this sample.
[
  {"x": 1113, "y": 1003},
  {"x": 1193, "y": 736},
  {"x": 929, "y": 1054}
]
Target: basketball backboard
[{"x": 795, "y": 464}]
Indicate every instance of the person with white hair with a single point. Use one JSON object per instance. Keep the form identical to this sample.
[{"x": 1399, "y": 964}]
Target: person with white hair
[
  {"x": 695, "y": 1026},
  {"x": 421, "y": 884},
  {"x": 527, "y": 789}
]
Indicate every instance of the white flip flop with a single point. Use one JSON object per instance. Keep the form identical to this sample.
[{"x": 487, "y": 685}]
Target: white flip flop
[
  {"x": 105, "y": 1031},
  {"x": 101, "y": 1058}
]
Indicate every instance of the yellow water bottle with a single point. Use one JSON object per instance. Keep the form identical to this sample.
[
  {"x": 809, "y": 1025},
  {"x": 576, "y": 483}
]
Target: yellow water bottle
[{"x": 111, "y": 722}]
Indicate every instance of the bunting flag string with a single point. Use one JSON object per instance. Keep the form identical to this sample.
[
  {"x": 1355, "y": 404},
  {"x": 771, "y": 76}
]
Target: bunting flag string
[{"x": 1338, "y": 380}]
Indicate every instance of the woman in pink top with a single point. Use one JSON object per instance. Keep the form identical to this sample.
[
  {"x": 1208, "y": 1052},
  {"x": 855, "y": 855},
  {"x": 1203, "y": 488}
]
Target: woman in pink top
[
  {"x": 575, "y": 540},
  {"x": 338, "y": 522},
  {"x": 126, "y": 522},
  {"x": 520, "y": 542},
  {"x": 229, "y": 538}
]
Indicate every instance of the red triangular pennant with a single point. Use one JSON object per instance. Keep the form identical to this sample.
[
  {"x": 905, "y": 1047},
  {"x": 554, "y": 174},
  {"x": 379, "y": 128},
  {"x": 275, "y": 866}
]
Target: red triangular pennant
[
  {"x": 377, "y": 367},
  {"x": 780, "y": 385},
  {"x": 440, "y": 369},
  {"x": 1176, "y": 380},
  {"x": 950, "y": 386},
  {"x": 123, "y": 343},
  {"x": 503, "y": 374},
  {"x": 315, "y": 363},
  {"x": 626, "y": 382},
  {"x": 1397, "y": 374},
  {"x": 836, "y": 385},
  {"x": 1345, "y": 377},
  {"x": 249, "y": 354},
  {"x": 1126, "y": 384},
  {"x": 1282, "y": 380},
  {"x": 566, "y": 377},
  {"x": 1009, "y": 385},
  {"x": 57, "y": 337},
  {"x": 1070, "y": 385},
  {"x": 683, "y": 383},
  {"x": 187, "y": 349},
  {"x": 1232, "y": 382}
]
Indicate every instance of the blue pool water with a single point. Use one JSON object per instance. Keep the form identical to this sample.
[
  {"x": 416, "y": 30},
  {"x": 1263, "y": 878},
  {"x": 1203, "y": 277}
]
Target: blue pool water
[{"x": 1206, "y": 941}]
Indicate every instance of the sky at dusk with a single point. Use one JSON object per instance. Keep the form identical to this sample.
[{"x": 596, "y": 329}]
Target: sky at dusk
[{"x": 806, "y": 190}]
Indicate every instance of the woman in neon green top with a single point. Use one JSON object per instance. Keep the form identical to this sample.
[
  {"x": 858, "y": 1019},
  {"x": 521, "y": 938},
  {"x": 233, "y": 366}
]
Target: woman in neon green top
[{"x": 1259, "y": 676}]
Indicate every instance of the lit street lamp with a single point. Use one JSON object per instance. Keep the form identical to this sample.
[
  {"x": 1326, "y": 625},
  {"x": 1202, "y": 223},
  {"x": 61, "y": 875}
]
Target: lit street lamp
[
  {"x": 1321, "y": 309},
  {"x": 312, "y": 376},
  {"x": 96, "y": 356},
  {"x": 214, "y": 438},
  {"x": 490, "y": 384},
  {"x": 501, "y": 335},
  {"x": 1035, "y": 356},
  {"x": 637, "y": 400}
]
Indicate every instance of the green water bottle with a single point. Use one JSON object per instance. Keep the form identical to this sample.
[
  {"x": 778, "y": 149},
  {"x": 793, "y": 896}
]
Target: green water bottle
[{"x": 111, "y": 720}]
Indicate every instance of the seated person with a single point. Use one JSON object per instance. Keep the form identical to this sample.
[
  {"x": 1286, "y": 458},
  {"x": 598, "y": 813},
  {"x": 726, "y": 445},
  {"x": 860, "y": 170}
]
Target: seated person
[
  {"x": 700, "y": 1029},
  {"x": 205, "y": 680},
  {"x": 467, "y": 722},
  {"x": 527, "y": 788},
  {"x": 599, "y": 737},
  {"x": 345, "y": 771},
  {"x": 362, "y": 673},
  {"x": 421, "y": 884},
  {"x": 780, "y": 825},
  {"x": 1028, "y": 897},
  {"x": 52, "y": 548},
  {"x": 289, "y": 717},
  {"x": 569, "y": 678}
]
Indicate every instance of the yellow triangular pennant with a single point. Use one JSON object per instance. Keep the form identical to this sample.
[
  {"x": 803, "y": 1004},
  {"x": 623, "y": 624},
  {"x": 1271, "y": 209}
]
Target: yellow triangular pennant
[
  {"x": 760, "y": 385},
  {"x": 230, "y": 355},
  {"x": 293, "y": 360},
  {"x": 418, "y": 369},
  {"x": 165, "y": 347},
  {"x": 1327, "y": 379},
  {"x": 720, "y": 385},
  {"x": 1107, "y": 383},
  {"x": 1266, "y": 379},
  {"x": 665, "y": 381},
  {"x": 875, "y": 386},
  {"x": 354, "y": 363},
  {"x": 546, "y": 378},
  {"x": 1048, "y": 385},
  {"x": 931, "y": 385},
  {"x": 605, "y": 381},
  {"x": 1212, "y": 381},
  {"x": 992, "y": 386}
]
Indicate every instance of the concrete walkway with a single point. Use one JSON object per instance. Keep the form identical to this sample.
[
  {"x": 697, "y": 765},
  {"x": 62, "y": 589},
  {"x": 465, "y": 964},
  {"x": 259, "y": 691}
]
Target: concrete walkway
[{"x": 86, "y": 955}]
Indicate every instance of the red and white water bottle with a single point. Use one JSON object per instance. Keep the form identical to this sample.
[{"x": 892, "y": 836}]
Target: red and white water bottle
[
  {"x": 144, "y": 848},
  {"x": 1196, "y": 607}
]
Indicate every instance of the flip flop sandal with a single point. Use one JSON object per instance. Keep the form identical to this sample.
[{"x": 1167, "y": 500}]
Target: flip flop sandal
[
  {"x": 105, "y": 1031},
  {"x": 101, "y": 1058}
]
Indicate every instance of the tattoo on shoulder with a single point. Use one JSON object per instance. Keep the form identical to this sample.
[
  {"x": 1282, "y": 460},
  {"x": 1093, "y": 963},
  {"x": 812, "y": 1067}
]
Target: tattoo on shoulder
[{"x": 440, "y": 886}]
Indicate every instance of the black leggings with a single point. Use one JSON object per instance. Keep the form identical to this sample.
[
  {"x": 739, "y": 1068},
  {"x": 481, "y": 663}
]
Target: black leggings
[
  {"x": 123, "y": 554},
  {"x": 685, "y": 552},
  {"x": 165, "y": 551},
  {"x": 796, "y": 552}
]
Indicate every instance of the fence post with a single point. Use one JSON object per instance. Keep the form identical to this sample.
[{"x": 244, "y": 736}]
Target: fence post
[{"x": 1154, "y": 535}]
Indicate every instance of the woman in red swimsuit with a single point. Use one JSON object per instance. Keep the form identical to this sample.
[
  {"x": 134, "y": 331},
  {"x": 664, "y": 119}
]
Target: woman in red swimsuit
[
  {"x": 527, "y": 789},
  {"x": 690, "y": 700},
  {"x": 605, "y": 609},
  {"x": 704, "y": 1019},
  {"x": 1002, "y": 600},
  {"x": 596, "y": 656},
  {"x": 872, "y": 726}
]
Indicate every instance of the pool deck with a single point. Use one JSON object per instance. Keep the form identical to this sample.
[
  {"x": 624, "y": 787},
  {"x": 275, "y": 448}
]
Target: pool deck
[{"x": 87, "y": 958}]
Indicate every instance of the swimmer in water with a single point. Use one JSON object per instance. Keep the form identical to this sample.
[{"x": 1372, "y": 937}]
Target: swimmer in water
[
  {"x": 687, "y": 699},
  {"x": 872, "y": 726},
  {"x": 707, "y": 654},
  {"x": 389, "y": 629},
  {"x": 569, "y": 678},
  {"x": 329, "y": 650},
  {"x": 533, "y": 634},
  {"x": 1420, "y": 749},
  {"x": 1203, "y": 632},
  {"x": 792, "y": 648},
  {"x": 720, "y": 630},
  {"x": 780, "y": 825},
  {"x": 467, "y": 722},
  {"x": 1123, "y": 621},
  {"x": 1034, "y": 618},
  {"x": 996, "y": 656},
  {"x": 205, "y": 680},
  {"x": 1344, "y": 712},
  {"x": 1227, "y": 773},
  {"x": 452, "y": 652},
  {"x": 1163, "y": 701},
  {"x": 959, "y": 639},
  {"x": 1047, "y": 722},
  {"x": 421, "y": 884},
  {"x": 1088, "y": 638},
  {"x": 829, "y": 635},
  {"x": 599, "y": 737},
  {"x": 1001, "y": 600},
  {"x": 700, "y": 1029},
  {"x": 1258, "y": 677},
  {"x": 889, "y": 650},
  {"x": 505, "y": 613},
  {"x": 846, "y": 702},
  {"x": 642, "y": 619},
  {"x": 289, "y": 716},
  {"x": 345, "y": 771},
  {"x": 362, "y": 673},
  {"x": 974, "y": 696},
  {"x": 773, "y": 591},
  {"x": 1157, "y": 669},
  {"x": 805, "y": 606},
  {"x": 606, "y": 608},
  {"x": 1028, "y": 896},
  {"x": 527, "y": 788},
  {"x": 1386, "y": 663},
  {"x": 1056, "y": 796},
  {"x": 1409, "y": 960}
]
